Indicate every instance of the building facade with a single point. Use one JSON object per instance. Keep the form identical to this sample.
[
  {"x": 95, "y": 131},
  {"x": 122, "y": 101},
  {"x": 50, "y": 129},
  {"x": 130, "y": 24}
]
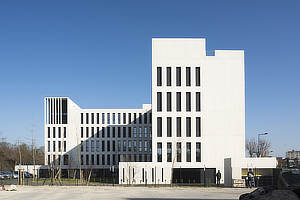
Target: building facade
[{"x": 194, "y": 126}]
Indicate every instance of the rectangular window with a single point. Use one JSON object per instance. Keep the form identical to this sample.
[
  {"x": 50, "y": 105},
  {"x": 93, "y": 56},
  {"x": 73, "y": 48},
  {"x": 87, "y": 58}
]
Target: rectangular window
[
  {"x": 178, "y": 101},
  {"x": 92, "y": 160},
  {"x": 119, "y": 132},
  {"x": 169, "y": 76},
  {"x": 198, "y": 151},
  {"x": 169, "y": 101},
  {"x": 53, "y": 132},
  {"x": 178, "y": 76},
  {"x": 150, "y": 132},
  {"x": 159, "y": 127},
  {"x": 145, "y": 132},
  {"x": 169, "y": 127},
  {"x": 159, "y": 76},
  {"x": 87, "y": 132},
  {"x": 98, "y": 132},
  {"x": 134, "y": 145},
  {"x": 92, "y": 146},
  {"x": 178, "y": 126},
  {"x": 81, "y": 159},
  {"x": 114, "y": 118},
  {"x": 108, "y": 118},
  {"x": 93, "y": 134},
  {"x": 103, "y": 118},
  {"x": 65, "y": 146},
  {"x": 114, "y": 145},
  {"x": 92, "y": 116},
  {"x": 159, "y": 152},
  {"x": 97, "y": 146},
  {"x": 48, "y": 132},
  {"x": 178, "y": 151},
  {"x": 108, "y": 159},
  {"x": 159, "y": 102},
  {"x": 169, "y": 152},
  {"x": 140, "y": 145},
  {"x": 114, "y": 159},
  {"x": 124, "y": 132},
  {"x": 145, "y": 145},
  {"x": 97, "y": 118},
  {"x": 103, "y": 132},
  {"x": 129, "y": 132},
  {"x": 129, "y": 118},
  {"x": 81, "y": 146},
  {"x": 129, "y": 145},
  {"x": 59, "y": 132},
  {"x": 197, "y": 76},
  {"x": 113, "y": 132},
  {"x": 81, "y": 117},
  {"x": 134, "y": 118},
  {"x": 59, "y": 146},
  {"x": 188, "y": 127},
  {"x": 81, "y": 132},
  {"x": 66, "y": 160},
  {"x": 188, "y": 152},
  {"x": 198, "y": 126},
  {"x": 188, "y": 76},
  {"x": 150, "y": 118},
  {"x": 103, "y": 159},
  {"x": 140, "y": 131},
  {"x": 119, "y": 145},
  {"x": 145, "y": 118},
  {"x": 124, "y": 118},
  {"x": 124, "y": 145},
  {"x": 108, "y": 145},
  {"x": 119, "y": 118},
  {"x": 65, "y": 132},
  {"x": 87, "y": 159},
  {"x": 87, "y": 146},
  {"x": 49, "y": 146},
  {"x": 53, "y": 146},
  {"x": 108, "y": 132},
  {"x": 103, "y": 146},
  {"x": 198, "y": 101},
  {"x": 87, "y": 118},
  {"x": 98, "y": 161},
  {"x": 134, "y": 131},
  {"x": 140, "y": 118},
  {"x": 188, "y": 101}
]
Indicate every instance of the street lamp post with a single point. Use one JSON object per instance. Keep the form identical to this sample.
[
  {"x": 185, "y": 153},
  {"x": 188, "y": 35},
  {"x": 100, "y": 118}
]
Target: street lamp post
[{"x": 259, "y": 155}]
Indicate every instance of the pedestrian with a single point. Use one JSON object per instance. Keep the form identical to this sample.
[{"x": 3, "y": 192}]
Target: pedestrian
[
  {"x": 218, "y": 175},
  {"x": 250, "y": 177}
]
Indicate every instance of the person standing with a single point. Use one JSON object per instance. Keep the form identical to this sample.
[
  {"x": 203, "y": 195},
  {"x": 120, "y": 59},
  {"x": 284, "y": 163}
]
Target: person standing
[
  {"x": 218, "y": 175},
  {"x": 250, "y": 178}
]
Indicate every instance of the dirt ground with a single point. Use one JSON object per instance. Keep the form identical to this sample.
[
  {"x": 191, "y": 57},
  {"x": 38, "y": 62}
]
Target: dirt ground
[{"x": 119, "y": 192}]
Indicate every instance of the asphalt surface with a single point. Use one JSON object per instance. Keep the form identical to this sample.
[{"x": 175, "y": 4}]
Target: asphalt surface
[{"x": 121, "y": 192}]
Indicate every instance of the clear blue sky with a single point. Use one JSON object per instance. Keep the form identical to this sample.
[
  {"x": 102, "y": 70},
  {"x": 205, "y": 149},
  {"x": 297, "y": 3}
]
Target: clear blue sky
[{"x": 98, "y": 53}]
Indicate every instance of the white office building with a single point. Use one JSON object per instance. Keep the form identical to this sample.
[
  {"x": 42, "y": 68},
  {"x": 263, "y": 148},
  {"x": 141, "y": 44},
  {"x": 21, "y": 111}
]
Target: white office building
[{"x": 194, "y": 127}]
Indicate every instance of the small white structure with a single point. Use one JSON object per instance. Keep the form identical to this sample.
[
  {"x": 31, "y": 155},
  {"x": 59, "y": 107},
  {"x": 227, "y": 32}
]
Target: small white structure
[{"x": 30, "y": 169}]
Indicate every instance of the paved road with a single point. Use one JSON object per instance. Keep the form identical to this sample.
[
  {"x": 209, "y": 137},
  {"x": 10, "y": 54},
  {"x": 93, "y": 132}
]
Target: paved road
[{"x": 126, "y": 193}]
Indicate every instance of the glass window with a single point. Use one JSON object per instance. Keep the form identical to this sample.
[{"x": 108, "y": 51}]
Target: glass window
[
  {"x": 81, "y": 117},
  {"x": 159, "y": 127},
  {"x": 59, "y": 132},
  {"x": 87, "y": 132},
  {"x": 198, "y": 151},
  {"x": 169, "y": 127},
  {"x": 197, "y": 76},
  {"x": 108, "y": 118},
  {"x": 114, "y": 118},
  {"x": 108, "y": 145},
  {"x": 140, "y": 145},
  {"x": 119, "y": 118},
  {"x": 178, "y": 151},
  {"x": 114, "y": 145},
  {"x": 92, "y": 116},
  {"x": 65, "y": 146},
  {"x": 145, "y": 118},
  {"x": 48, "y": 146},
  {"x": 188, "y": 76},
  {"x": 97, "y": 146},
  {"x": 53, "y": 146},
  {"x": 86, "y": 146},
  {"x": 198, "y": 127},
  {"x": 87, "y": 118},
  {"x": 145, "y": 131},
  {"x": 97, "y": 118},
  {"x": 140, "y": 118},
  {"x": 169, "y": 76},
  {"x": 129, "y": 145},
  {"x": 188, "y": 101},
  {"x": 92, "y": 146},
  {"x": 59, "y": 146},
  {"x": 188, "y": 152},
  {"x": 119, "y": 145},
  {"x": 178, "y": 101},
  {"x": 124, "y": 118},
  {"x": 53, "y": 132},
  {"x": 103, "y": 146},
  {"x": 188, "y": 127},
  {"x": 103, "y": 118},
  {"x": 81, "y": 146},
  {"x": 159, "y": 102},
  {"x": 178, "y": 126},
  {"x": 48, "y": 132},
  {"x": 159, "y": 76},
  {"x": 159, "y": 152},
  {"x": 124, "y": 145},
  {"x": 178, "y": 76},
  {"x": 146, "y": 145},
  {"x": 134, "y": 145},
  {"x": 124, "y": 132},
  {"x": 198, "y": 101},
  {"x": 140, "y": 131},
  {"x": 169, "y": 101},
  {"x": 169, "y": 152}
]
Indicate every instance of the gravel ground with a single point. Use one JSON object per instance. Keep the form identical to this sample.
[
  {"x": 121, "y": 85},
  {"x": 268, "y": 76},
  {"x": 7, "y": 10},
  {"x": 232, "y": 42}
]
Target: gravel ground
[{"x": 119, "y": 192}]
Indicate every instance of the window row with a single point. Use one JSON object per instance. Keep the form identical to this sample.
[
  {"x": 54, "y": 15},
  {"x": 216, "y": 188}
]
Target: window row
[
  {"x": 178, "y": 121},
  {"x": 178, "y": 103},
  {"x": 59, "y": 148},
  {"x": 100, "y": 159},
  {"x": 153, "y": 174},
  {"x": 107, "y": 132},
  {"x": 177, "y": 154},
  {"x": 60, "y": 131},
  {"x": 106, "y": 146},
  {"x": 178, "y": 77},
  {"x": 116, "y": 118}
]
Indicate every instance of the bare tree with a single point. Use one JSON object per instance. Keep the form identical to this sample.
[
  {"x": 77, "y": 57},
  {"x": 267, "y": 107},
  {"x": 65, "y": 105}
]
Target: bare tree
[{"x": 252, "y": 147}]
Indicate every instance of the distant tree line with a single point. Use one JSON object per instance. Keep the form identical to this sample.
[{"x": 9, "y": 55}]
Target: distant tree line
[{"x": 10, "y": 154}]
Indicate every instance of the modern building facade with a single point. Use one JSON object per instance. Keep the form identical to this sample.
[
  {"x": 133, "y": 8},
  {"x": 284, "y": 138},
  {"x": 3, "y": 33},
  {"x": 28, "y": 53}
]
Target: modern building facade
[{"x": 194, "y": 126}]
